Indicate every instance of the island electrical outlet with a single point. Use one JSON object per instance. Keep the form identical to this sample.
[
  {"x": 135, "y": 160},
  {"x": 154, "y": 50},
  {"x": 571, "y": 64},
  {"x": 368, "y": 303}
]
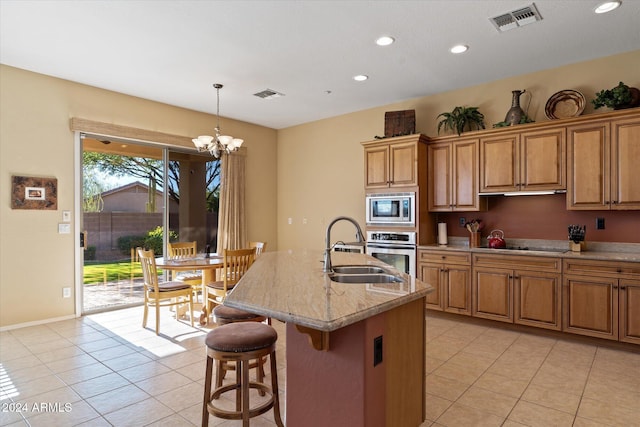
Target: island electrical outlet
[{"x": 377, "y": 350}]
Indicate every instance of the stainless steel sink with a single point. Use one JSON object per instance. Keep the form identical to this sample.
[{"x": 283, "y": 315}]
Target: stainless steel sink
[
  {"x": 365, "y": 278},
  {"x": 358, "y": 269}
]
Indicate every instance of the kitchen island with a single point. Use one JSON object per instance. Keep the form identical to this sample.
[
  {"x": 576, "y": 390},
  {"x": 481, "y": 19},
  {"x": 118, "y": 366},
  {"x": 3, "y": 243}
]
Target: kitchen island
[{"x": 355, "y": 351}]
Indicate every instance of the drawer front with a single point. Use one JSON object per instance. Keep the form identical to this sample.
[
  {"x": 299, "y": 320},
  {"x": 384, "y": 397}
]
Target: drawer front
[
  {"x": 444, "y": 257},
  {"x": 518, "y": 262},
  {"x": 617, "y": 269}
]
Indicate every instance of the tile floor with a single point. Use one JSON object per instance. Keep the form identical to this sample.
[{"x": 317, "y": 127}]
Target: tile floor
[
  {"x": 105, "y": 370},
  {"x": 489, "y": 376}
]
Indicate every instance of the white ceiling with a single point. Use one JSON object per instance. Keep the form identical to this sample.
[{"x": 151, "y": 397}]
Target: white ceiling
[{"x": 173, "y": 51}]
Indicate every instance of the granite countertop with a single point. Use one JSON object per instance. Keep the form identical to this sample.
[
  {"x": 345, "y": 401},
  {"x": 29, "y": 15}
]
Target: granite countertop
[
  {"x": 291, "y": 286},
  {"x": 628, "y": 252}
]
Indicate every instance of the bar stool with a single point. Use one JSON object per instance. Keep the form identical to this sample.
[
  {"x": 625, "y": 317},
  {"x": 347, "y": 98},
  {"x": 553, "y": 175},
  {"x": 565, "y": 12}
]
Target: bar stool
[
  {"x": 224, "y": 315},
  {"x": 241, "y": 342}
]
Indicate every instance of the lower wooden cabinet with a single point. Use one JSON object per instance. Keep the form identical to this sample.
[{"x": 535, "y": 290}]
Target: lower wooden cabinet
[
  {"x": 629, "y": 311},
  {"x": 602, "y": 299},
  {"x": 596, "y": 298},
  {"x": 450, "y": 275},
  {"x": 517, "y": 289},
  {"x": 537, "y": 299},
  {"x": 591, "y": 306},
  {"x": 492, "y": 294}
]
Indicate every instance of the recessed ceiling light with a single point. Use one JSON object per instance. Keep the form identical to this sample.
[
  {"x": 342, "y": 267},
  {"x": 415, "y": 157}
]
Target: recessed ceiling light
[
  {"x": 385, "y": 41},
  {"x": 607, "y": 6},
  {"x": 459, "y": 48},
  {"x": 360, "y": 78}
]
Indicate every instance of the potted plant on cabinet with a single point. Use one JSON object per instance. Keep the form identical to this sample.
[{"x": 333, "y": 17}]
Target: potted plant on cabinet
[
  {"x": 619, "y": 97},
  {"x": 461, "y": 118}
]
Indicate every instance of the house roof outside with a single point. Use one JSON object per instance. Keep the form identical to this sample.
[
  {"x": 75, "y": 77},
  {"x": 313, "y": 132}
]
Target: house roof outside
[{"x": 132, "y": 197}]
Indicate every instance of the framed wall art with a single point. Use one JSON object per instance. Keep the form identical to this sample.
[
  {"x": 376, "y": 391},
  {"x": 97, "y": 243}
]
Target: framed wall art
[{"x": 29, "y": 192}]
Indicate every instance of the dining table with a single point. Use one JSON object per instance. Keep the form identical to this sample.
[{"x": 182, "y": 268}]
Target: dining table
[{"x": 208, "y": 265}]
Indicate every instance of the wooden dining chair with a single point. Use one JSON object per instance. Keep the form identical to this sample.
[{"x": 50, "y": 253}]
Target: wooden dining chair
[
  {"x": 260, "y": 247},
  {"x": 181, "y": 250},
  {"x": 161, "y": 294},
  {"x": 235, "y": 264}
]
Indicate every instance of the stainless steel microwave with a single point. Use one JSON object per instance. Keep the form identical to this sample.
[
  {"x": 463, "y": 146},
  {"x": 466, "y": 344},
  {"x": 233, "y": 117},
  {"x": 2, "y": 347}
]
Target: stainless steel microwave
[{"x": 397, "y": 209}]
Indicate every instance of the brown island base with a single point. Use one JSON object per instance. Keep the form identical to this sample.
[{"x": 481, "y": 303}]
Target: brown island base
[{"x": 355, "y": 351}]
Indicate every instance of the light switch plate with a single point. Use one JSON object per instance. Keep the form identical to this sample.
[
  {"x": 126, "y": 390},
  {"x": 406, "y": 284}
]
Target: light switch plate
[
  {"x": 66, "y": 216},
  {"x": 64, "y": 228}
]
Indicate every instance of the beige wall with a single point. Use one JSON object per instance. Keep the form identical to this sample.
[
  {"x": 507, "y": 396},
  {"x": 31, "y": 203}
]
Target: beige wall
[
  {"x": 320, "y": 164},
  {"x": 316, "y": 173},
  {"x": 35, "y": 261}
]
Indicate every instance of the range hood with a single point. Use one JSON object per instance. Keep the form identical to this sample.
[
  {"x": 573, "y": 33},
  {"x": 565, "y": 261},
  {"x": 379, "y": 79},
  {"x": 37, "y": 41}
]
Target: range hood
[{"x": 524, "y": 193}]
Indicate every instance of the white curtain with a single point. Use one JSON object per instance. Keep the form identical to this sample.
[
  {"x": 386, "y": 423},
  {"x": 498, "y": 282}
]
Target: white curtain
[{"x": 232, "y": 225}]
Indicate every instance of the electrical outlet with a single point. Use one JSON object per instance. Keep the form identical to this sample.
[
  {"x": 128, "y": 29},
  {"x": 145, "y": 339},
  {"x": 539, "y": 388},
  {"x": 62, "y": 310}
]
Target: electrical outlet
[
  {"x": 66, "y": 292},
  {"x": 599, "y": 223},
  {"x": 377, "y": 350},
  {"x": 462, "y": 221}
]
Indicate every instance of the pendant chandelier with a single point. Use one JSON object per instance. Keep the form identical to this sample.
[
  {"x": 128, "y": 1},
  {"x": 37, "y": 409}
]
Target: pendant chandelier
[{"x": 218, "y": 144}]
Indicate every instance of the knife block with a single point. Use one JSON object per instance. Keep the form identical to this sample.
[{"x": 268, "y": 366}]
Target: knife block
[{"x": 577, "y": 247}]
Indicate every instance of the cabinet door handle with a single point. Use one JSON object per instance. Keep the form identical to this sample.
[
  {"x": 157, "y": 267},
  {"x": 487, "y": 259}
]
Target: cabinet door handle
[
  {"x": 623, "y": 287},
  {"x": 615, "y": 286},
  {"x": 615, "y": 202},
  {"x": 444, "y": 257}
]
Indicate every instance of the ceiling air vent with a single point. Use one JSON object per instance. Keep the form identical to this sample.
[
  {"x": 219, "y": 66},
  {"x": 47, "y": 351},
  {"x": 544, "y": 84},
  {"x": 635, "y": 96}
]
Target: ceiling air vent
[
  {"x": 518, "y": 18},
  {"x": 268, "y": 94}
]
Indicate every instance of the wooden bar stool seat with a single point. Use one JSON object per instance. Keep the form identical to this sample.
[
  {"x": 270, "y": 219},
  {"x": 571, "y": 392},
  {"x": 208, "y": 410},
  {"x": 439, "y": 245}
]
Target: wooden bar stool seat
[
  {"x": 241, "y": 342},
  {"x": 223, "y": 315}
]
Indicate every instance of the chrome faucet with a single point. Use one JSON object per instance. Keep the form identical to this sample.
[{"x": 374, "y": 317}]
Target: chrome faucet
[{"x": 327, "y": 252}]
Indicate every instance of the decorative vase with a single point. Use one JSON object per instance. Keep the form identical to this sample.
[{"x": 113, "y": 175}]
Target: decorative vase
[{"x": 515, "y": 113}]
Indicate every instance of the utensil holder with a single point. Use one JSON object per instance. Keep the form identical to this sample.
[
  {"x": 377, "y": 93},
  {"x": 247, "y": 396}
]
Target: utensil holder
[
  {"x": 577, "y": 247},
  {"x": 474, "y": 239}
]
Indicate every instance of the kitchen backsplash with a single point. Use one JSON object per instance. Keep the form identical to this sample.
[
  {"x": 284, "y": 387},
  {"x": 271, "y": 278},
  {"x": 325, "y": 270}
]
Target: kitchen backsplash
[{"x": 545, "y": 217}]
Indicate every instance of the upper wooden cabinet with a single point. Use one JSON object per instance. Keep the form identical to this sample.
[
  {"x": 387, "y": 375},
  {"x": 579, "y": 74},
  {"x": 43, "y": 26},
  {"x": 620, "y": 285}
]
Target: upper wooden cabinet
[
  {"x": 603, "y": 164},
  {"x": 532, "y": 160},
  {"x": 394, "y": 162},
  {"x": 453, "y": 176}
]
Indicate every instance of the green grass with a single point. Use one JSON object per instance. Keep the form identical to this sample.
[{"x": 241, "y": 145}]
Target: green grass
[{"x": 111, "y": 272}]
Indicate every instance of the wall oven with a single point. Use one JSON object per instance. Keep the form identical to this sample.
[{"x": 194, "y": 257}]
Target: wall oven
[
  {"x": 394, "y": 209},
  {"x": 395, "y": 248}
]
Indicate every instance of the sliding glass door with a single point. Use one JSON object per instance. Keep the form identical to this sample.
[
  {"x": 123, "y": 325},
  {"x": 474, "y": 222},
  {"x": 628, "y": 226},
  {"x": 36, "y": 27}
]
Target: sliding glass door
[
  {"x": 131, "y": 191},
  {"x": 194, "y": 187}
]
